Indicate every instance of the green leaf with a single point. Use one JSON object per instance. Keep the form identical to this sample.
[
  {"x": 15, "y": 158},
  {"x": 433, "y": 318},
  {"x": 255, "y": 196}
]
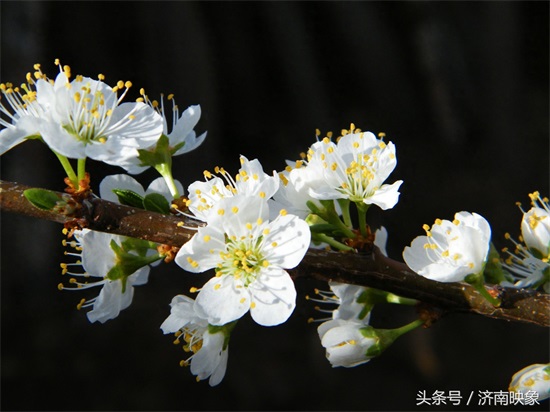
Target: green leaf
[
  {"x": 155, "y": 202},
  {"x": 129, "y": 198},
  {"x": 42, "y": 198}
]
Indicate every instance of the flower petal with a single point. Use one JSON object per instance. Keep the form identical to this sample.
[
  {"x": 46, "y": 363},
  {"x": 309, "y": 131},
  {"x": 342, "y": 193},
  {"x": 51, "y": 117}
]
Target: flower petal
[
  {"x": 273, "y": 297},
  {"x": 222, "y": 300}
]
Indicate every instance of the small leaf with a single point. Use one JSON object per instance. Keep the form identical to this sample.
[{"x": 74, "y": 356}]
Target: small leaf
[
  {"x": 129, "y": 198},
  {"x": 42, "y": 198},
  {"x": 155, "y": 202}
]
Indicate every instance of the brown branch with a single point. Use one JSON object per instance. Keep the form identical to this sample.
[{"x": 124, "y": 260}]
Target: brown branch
[{"x": 373, "y": 270}]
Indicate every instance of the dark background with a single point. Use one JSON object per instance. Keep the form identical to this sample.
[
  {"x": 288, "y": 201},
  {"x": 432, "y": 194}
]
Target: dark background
[{"x": 461, "y": 88}]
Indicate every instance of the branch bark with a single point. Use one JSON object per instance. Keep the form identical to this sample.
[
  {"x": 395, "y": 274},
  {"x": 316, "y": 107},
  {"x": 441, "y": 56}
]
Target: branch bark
[{"x": 373, "y": 270}]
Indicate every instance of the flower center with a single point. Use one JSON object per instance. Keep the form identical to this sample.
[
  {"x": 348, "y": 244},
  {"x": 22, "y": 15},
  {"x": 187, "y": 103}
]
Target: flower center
[
  {"x": 242, "y": 260},
  {"x": 91, "y": 108}
]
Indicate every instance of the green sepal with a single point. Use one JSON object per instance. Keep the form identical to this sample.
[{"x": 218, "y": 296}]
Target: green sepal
[
  {"x": 129, "y": 198},
  {"x": 155, "y": 202},
  {"x": 493, "y": 272},
  {"x": 161, "y": 153},
  {"x": 385, "y": 337},
  {"x": 225, "y": 329},
  {"x": 128, "y": 263},
  {"x": 42, "y": 198}
]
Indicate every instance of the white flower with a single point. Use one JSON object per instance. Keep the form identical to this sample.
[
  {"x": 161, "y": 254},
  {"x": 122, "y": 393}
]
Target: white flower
[
  {"x": 182, "y": 133},
  {"x": 345, "y": 296},
  {"x": 126, "y": 182},
  {"x": 534, "y": 378},
  {"x": 344, "y": 343},
  {"x": 210, "y": 352},
  {"x": 249, "y": 254},
  {"x": 341, "y": 335},
  {"x": 22, "y": 114},
  {"x": 451, "y": 250},
  {"x": 293, "y": 194},
  {"x": 99, "y": 260},
  {"x": 529, "y": 262},
  {"x": 535, "y": 226},
  {"x": 355, "y": 168},
  {"x": 87, "y": 119},
  {"x": 250, "y": 181}
]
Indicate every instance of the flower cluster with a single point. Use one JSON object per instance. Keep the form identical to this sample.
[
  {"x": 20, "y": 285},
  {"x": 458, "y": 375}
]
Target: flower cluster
[
  {"x": 251, "y": 228},
  {"x": 83, "y": 118}
]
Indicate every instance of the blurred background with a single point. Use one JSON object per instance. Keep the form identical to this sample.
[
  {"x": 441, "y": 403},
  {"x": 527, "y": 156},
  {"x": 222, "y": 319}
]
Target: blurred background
[{"x": 461, "y": 88}]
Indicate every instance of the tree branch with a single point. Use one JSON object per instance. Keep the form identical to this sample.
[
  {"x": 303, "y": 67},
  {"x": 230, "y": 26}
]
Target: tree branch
[{"x": 373, "y": 270}]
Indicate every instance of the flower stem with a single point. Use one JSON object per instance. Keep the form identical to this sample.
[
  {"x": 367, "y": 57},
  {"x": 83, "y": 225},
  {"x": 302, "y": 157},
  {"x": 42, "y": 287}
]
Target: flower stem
[
  {"x": 408, "y": 327},
  {"x": 333, "y": 218},
  {"x": 165, "y": 171},
  {"x": 362, "y": 216},
  {"x": 81, "y": 167},
  {"x": 321, "y": 237},
  {"x": 68, "y": 168},
  {"x": 476, "y": 280},
  {"x": 344, "y": 205}
]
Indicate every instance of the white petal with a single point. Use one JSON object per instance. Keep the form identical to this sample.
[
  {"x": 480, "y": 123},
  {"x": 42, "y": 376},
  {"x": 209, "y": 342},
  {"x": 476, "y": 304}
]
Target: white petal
[
  {"x": 219, "y": 372},
  {"x": 145, "y": 128},
  {"x": 273, "y": 297},
  {"x": 159, "y": 186},
  {"x": 205, "y": 362},
  {"x": 97, "y": 256},
  {"x": 61, "y": 141},
  {"x": 182, "y": 312},
  {"x": 222, "y": 300},
  {"x": 109, "y": 302},
  {"x": 202, "y": 252},
  {"x": 240, "y": 210},
  {"x": 386, "y": 197},
  {"x": 287, "y": 241}
]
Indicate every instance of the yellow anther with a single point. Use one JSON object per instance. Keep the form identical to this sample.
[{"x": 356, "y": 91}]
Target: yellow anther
[
  {"x": 217, "y": 286},
  {"x": 252, "y": 305},
  {"x": 456, "y": 222},
  {"x": 283, "y": 212},
  {"x": 207, "y": 238},
  {"x": 80, "y": 304},
  {"x": 193, "y": 289},
  {"x": 170, "y": 96},
  {"x": 234, "y": 209},
  {"x": 60, "y": 286}
]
